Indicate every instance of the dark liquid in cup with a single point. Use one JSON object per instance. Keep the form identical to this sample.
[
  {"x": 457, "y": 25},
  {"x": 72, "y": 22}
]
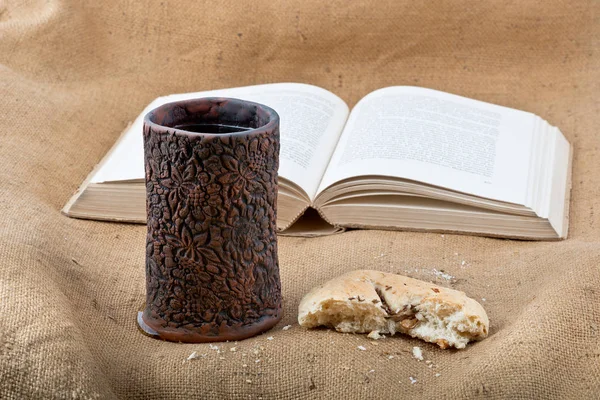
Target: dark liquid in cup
[{"x": 211, "y": 128}]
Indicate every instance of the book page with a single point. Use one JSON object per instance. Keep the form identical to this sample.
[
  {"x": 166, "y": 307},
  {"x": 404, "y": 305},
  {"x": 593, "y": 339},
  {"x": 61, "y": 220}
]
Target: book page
[
  {"x": 558, "y": 200},
  {"x": 436, "y": 138},
  {"x": 311, "y": 121}
]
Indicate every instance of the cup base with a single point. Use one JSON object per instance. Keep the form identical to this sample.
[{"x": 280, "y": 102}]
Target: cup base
[
  {"x": 226, "y": 333},
  {"x": 146, "y": 330}
]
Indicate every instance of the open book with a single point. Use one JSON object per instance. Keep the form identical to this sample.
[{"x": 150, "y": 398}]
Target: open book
[{"x": 402, "y": 158}]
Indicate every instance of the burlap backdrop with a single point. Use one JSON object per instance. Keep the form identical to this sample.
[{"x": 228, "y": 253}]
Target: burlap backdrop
[{"x": 72, "y": 75}]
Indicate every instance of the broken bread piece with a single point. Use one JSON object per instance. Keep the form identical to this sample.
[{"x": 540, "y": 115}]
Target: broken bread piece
[{"x": 371, "y": 301}]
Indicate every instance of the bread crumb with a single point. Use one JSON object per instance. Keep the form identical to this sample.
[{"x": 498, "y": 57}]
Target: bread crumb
[
  {"x": 483, "y": 299},
  {"x": 417, "y": 353},
  {"x": 390, "y": 357},
  {"x": 213, "y": 347},
  {"x": 193, "y": 356},
  {"x": 285, "y": 328},
  {"x": 442, "y": 274},
  {"x": 257, "y": 361},
  {"x": 248, "y": 381},
  {"x": 371, "y": 371},
  {"x": 221, "y": 358},
  {"x": 233, "y": 349},
  {"x": 428, "y": 361},
  {"x": 375, "y": 335},
  {"x": 412, "y": 380},
  {"x": 244, "y": 365},
  {"x": 437, "y": 374},
  {"x": 270, "y": 338},
  {"x": 363, "y": 348}
]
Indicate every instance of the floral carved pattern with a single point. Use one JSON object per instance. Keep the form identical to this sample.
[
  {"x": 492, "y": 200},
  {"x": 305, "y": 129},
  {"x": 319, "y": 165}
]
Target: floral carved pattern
[{"x": 211, "y": 259}]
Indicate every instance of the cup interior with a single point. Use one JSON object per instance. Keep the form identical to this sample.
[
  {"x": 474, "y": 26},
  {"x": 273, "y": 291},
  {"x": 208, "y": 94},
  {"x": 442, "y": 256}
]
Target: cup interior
[{"x": 212, "y": 116}]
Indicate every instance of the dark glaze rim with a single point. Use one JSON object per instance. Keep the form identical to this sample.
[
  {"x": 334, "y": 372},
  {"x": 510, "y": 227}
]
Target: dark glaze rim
[{"x": 269, "y": 127}]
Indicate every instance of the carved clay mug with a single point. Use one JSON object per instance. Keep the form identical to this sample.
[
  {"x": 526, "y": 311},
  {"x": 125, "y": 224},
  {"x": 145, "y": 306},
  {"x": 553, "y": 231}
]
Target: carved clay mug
[{"x": 212, "y": 272}]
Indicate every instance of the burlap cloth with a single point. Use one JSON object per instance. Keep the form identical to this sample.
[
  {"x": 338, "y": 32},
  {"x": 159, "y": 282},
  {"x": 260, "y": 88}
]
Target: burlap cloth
[{"x": 73, "y": 75}]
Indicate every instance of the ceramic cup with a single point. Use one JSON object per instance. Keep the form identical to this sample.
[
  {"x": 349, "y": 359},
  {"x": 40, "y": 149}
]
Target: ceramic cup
[{"x": 212, "y": 272}]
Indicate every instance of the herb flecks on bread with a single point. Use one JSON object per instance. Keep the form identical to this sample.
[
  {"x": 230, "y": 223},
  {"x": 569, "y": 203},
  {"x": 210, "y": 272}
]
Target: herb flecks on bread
[{"x": 371, "y": 301}]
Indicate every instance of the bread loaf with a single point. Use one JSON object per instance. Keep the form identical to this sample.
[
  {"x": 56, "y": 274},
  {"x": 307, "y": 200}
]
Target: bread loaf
[{"x": 370, "y": 301}]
